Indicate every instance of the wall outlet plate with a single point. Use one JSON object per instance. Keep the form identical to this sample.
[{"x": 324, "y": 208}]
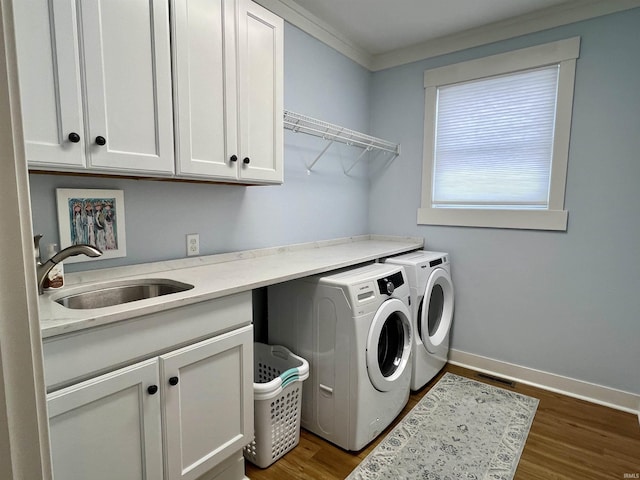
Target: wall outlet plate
[{"x": 193, "y": 244}]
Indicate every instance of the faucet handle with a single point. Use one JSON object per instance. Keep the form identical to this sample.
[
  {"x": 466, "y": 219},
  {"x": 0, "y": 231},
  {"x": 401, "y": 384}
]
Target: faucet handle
[{"x": 36, "y": 246}]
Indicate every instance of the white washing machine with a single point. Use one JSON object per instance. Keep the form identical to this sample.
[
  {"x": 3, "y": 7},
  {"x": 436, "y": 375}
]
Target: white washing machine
[
  {"x": 429, "y": 276},
  {"x": 354, "y": 329}
]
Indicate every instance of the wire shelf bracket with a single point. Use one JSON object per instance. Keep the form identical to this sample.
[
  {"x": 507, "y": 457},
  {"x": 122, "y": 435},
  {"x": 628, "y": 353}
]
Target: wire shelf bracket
[{"x": 335, "y": 133}]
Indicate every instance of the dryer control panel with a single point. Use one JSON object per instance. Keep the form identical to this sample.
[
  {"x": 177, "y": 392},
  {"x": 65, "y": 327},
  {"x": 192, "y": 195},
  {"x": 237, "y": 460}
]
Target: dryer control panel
[
  {"x": 388, "y": 284},
  {"x": 435, "y": 262}
]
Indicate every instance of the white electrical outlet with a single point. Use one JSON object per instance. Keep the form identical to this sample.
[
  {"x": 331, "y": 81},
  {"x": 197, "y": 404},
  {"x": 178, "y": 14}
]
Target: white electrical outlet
[{"x": 193, "y": 244}]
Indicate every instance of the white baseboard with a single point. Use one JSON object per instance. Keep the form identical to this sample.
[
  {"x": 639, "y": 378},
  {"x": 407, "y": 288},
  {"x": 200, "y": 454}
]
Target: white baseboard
[{"x": 606, "y": 396}]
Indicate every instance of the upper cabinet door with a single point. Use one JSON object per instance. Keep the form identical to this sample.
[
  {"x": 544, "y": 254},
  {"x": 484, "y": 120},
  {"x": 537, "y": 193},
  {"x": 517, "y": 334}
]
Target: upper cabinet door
[
  {"x": 127, "y": 64},
  {"x": 260, "y": 75},
  {"x": 204, "y": 53},
  {"x": 49, "y": 73}
]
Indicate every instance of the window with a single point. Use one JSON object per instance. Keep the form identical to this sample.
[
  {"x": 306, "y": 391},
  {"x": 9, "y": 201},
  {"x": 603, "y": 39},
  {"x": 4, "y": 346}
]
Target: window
[{"x": 496, "y": 139}]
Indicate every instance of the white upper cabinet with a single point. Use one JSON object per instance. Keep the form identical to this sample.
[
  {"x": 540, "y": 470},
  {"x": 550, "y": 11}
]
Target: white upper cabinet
[
  {"x": 49, "y": 70},
  {"x": 99, "y": 93},
  {"x": 128, "y": 84},
  {"x": 228, "y": 84},
  {"x": 95, "y": 80},
  {"x": 204, "y": 52},
  {"x": 260, "y": 80}
]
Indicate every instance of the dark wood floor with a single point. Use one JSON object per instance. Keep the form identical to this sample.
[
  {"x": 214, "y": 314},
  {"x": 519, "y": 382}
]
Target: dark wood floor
[{"x": 569, "y": 439}]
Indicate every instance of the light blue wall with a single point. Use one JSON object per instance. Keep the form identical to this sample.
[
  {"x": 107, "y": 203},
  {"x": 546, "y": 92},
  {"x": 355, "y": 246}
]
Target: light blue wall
[
  {"x": 566, "y": 303},
  {"x": 325, "y": 204}
]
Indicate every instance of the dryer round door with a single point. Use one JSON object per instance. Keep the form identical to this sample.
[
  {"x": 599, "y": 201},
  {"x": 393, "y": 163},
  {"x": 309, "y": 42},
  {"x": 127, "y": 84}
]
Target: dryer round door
[
  {"x": 435, "y": 312},
  {"x": 389, "y": 344}
]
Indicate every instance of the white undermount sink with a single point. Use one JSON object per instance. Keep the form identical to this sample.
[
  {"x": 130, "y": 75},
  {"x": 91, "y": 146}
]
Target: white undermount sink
[{"x": 121, "y": 292}]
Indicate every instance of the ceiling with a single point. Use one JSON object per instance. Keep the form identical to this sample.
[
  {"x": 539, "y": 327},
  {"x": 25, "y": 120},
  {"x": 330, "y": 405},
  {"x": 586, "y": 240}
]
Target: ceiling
[{"x": 381, "y": 26}]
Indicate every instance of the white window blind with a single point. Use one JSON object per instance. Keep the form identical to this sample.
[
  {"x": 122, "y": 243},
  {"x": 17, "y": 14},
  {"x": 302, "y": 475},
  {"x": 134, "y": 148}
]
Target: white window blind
[{"x": 494, "y": 141}]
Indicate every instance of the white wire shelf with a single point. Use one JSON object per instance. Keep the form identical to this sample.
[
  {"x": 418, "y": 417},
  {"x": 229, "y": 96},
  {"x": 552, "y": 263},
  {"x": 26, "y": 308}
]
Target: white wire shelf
[{"x": 335, "y": 133}]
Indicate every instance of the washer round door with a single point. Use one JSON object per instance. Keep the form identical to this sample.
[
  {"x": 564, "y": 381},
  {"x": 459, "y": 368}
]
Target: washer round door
[
  {"x": 434, "y": 320},
  {"x": 389, "y": 344}
]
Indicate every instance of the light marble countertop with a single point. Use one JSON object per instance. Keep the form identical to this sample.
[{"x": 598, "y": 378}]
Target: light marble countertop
[{"x": 212, "y": 277}]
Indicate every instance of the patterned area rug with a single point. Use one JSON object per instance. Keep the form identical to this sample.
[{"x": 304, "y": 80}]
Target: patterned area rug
[{"x": 461, "y": 429}]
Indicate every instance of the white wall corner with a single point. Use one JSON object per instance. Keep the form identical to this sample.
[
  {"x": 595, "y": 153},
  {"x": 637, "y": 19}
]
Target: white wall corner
[{"x": 599, "y": 394}]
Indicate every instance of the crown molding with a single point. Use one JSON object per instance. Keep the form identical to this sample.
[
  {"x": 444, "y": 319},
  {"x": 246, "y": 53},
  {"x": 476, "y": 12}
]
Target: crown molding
[
  {"x": 309, "y": 23},
  {"x": 558, "y": 15},
  {"x": 555, "y": 16}
]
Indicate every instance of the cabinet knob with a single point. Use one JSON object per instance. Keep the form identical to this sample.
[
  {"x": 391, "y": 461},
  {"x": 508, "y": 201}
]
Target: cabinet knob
[
  {"x": 74, "y": 137},
  {"x": 152, "y": 389},
  {"x": 246, "y": 160},
  {"x": 101, "y": 140},
  {"x": 173, "y": 381},
  {"x": 234, "y": 158}
]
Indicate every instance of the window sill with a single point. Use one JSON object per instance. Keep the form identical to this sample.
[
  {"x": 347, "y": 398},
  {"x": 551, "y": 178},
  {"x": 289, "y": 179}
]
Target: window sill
[{"x": 519, "y": 219}]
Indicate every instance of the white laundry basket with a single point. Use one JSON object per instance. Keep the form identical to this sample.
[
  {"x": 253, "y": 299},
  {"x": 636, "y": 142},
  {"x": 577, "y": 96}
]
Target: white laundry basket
[{"x": 277, "y": 390}]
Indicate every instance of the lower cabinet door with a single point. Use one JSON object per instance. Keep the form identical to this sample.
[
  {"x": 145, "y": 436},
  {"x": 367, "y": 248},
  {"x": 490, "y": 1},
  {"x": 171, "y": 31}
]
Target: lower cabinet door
[
  {"x": 208, "y": 402},
  {"x": 108, "y": 427}
]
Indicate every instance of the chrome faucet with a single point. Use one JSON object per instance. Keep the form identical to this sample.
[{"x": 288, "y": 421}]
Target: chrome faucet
[{"x": 42, "y": 269}]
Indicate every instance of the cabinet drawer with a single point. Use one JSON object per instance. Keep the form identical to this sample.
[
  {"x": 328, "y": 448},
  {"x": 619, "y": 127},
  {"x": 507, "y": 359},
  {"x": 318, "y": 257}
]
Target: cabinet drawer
[{"x": 80, "y": 355}]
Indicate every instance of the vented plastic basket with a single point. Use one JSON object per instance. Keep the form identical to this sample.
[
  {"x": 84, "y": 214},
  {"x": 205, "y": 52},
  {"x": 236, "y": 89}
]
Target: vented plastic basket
[{"x": 277, "y": 390}]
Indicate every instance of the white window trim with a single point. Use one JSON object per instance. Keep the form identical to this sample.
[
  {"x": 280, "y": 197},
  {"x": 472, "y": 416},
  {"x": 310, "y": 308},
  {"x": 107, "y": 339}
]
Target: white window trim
[{"x": 564, "y": 53}]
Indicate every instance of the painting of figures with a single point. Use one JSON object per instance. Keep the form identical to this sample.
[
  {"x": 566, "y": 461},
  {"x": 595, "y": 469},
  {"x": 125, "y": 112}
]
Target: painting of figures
[{"x": 94, "y": 217}]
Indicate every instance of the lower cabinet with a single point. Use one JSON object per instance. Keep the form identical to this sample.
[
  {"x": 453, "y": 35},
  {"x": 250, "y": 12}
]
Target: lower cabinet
[
  {"x": 174, "y": 416},
  {"x": 108, "y": 427},
  {"x": 208, "y": 403}
]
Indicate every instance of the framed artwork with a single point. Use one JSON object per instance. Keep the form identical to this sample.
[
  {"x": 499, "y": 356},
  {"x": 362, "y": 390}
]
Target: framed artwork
[{"x": 94, "y": 217}]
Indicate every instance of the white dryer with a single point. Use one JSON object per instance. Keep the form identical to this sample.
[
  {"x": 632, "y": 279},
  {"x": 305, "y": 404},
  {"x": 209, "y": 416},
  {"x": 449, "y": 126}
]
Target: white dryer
[
  {"x": 432, "y": 295},
  {"x": 354, "y": 329}
]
